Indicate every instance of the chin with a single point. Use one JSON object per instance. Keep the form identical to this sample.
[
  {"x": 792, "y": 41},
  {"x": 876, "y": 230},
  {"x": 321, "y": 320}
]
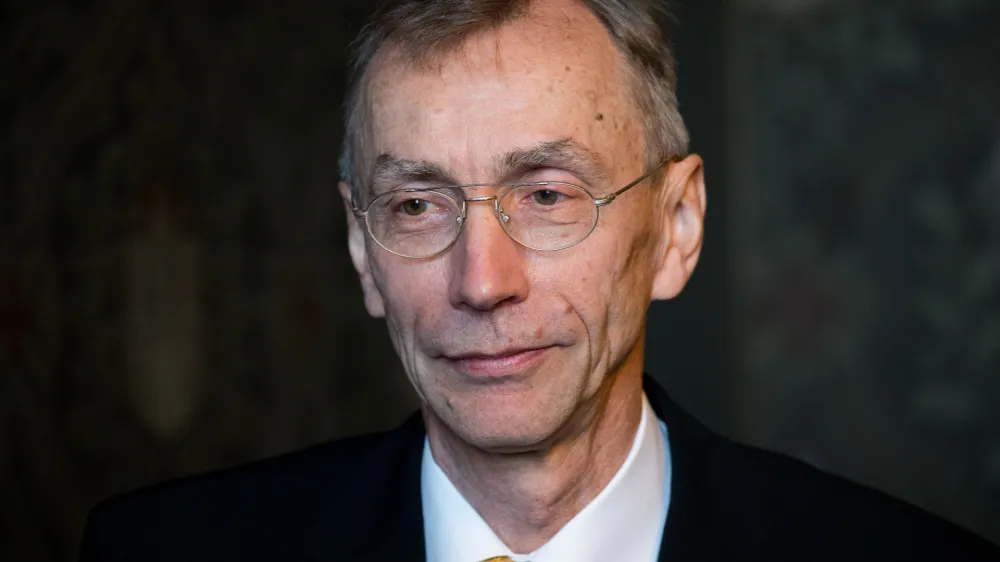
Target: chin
[
  {"x": 505, "y": 439},
  {"x": 505, "y": 423}
]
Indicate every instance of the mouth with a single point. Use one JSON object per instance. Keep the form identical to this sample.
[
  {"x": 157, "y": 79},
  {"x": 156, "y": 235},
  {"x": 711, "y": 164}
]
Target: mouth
[{"x": 504, "y": 363}]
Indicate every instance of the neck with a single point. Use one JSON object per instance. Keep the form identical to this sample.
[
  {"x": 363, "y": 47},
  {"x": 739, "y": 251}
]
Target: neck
[{"x": 527, "y": 497}]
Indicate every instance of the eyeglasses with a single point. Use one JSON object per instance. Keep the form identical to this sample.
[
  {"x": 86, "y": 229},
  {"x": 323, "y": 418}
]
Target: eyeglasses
[{"x": 546, "y": 216}]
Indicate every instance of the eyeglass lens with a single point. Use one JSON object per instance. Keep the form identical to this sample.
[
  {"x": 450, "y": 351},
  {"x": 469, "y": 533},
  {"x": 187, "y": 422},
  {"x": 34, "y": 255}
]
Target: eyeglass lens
[{"x": 423, "y": 223}]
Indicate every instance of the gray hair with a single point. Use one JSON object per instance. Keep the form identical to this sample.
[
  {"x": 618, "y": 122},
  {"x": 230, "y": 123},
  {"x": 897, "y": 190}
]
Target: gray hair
[{"x": 423, "y": 30}]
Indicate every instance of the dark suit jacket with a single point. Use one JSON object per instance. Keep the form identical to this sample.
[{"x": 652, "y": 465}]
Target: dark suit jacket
[{"x": 359, "y": 500}]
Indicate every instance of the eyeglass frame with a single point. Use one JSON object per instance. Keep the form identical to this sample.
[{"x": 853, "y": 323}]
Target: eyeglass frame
[{"x": 497, "y": 211}]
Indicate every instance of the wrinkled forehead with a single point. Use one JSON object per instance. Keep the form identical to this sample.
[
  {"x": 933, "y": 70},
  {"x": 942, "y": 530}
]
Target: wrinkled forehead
[{"x": 549, "y": 76}]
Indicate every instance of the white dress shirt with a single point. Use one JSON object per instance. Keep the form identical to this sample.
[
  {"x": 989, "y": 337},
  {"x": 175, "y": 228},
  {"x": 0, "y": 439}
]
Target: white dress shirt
[{"x": 624, "y": 523}]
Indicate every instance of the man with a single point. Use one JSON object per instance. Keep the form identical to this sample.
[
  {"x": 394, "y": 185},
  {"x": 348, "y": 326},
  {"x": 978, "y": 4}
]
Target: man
[{"x": 518, "y": 191}]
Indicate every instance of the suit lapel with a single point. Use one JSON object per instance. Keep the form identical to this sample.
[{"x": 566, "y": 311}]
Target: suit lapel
[
  {"x": 689, "y": 534},
  {"x": 379, "y": 516}
]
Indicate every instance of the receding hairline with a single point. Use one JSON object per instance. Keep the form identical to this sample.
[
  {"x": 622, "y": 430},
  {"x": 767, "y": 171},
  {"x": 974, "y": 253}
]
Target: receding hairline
[
  {"x": 640, "y": 78},
  {"x": 412, "y": 52},
  {"x": 392, "y": 56}
]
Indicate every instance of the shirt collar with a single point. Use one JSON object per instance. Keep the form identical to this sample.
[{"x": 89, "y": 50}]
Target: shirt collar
[{"x": 624, "y": 522}]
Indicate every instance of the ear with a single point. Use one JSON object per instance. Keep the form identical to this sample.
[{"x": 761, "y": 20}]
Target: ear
[
  {"x": 683, "y": 228},
  {"x": 358, "y": 247}
]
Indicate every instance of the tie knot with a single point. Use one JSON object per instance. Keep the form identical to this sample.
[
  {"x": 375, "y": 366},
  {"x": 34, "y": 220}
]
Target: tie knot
[{"x": 499, "y": 559}]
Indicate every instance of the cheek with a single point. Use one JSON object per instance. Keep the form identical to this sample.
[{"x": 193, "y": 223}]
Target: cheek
[
  {"x": 585, "y": 283},
  {"x": 409, "y": 291},
  {"x": 628, "y": 282}
]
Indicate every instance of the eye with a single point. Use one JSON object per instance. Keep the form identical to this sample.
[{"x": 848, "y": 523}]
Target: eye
[
  {"x": 546, "y": 196},
  {"x": 415, "y": 207}
]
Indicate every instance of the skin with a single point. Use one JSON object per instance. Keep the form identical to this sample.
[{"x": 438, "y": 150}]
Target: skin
[{"x": 531, "y": 448}]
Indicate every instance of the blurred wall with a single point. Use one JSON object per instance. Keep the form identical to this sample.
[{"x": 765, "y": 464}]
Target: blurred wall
[
  {"x": 863, "y": 151},
  {"x": 175, "y": 293}
]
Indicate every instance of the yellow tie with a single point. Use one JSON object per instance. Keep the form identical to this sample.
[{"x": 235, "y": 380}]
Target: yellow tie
[{"x": 498, "y": 559}]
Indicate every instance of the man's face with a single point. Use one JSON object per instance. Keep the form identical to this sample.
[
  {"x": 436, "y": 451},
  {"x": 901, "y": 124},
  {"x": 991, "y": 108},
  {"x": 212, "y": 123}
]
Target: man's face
[{"x": 509, "y": 346}]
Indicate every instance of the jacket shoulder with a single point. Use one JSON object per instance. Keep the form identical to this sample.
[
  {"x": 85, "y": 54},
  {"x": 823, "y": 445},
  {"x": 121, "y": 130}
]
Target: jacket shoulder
[
  {"x": 731, "y": 501},
  {"x": 258, "y": 509},
  {"x": 790, "y": 506}
]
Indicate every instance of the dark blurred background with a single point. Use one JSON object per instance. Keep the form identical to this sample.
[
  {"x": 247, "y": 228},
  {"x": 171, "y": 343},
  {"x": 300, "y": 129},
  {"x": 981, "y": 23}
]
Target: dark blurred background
[{"x": 175, "y": 294}]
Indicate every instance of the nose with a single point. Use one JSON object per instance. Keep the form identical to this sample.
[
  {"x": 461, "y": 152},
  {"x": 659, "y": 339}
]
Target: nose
[{"x": 487, "y": 268}]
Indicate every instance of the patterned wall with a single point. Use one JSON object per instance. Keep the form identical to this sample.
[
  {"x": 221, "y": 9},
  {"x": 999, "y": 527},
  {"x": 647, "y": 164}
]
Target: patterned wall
[
  {"x": 864, "y": 142},
  {"x": 174, "y": 291}
]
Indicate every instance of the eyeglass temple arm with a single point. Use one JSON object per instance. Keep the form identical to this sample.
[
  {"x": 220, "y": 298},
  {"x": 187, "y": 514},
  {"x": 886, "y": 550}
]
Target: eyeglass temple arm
[
  {"x": 358, "y": 213},
  {"x": 607, "y": 199}
]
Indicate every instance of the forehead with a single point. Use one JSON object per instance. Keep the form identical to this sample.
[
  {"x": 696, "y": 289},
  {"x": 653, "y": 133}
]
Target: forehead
[{"x": 552, "y": 74}]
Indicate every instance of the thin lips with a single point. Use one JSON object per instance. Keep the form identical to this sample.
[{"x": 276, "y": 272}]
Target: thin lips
[{"x": 498, "y": 355}]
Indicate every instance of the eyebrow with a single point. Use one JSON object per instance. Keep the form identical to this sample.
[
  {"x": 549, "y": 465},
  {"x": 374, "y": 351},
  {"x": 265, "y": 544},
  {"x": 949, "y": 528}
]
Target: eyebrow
[
  {"x": 390, "y": 170},
  {"x": 567, "y": 154}
]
